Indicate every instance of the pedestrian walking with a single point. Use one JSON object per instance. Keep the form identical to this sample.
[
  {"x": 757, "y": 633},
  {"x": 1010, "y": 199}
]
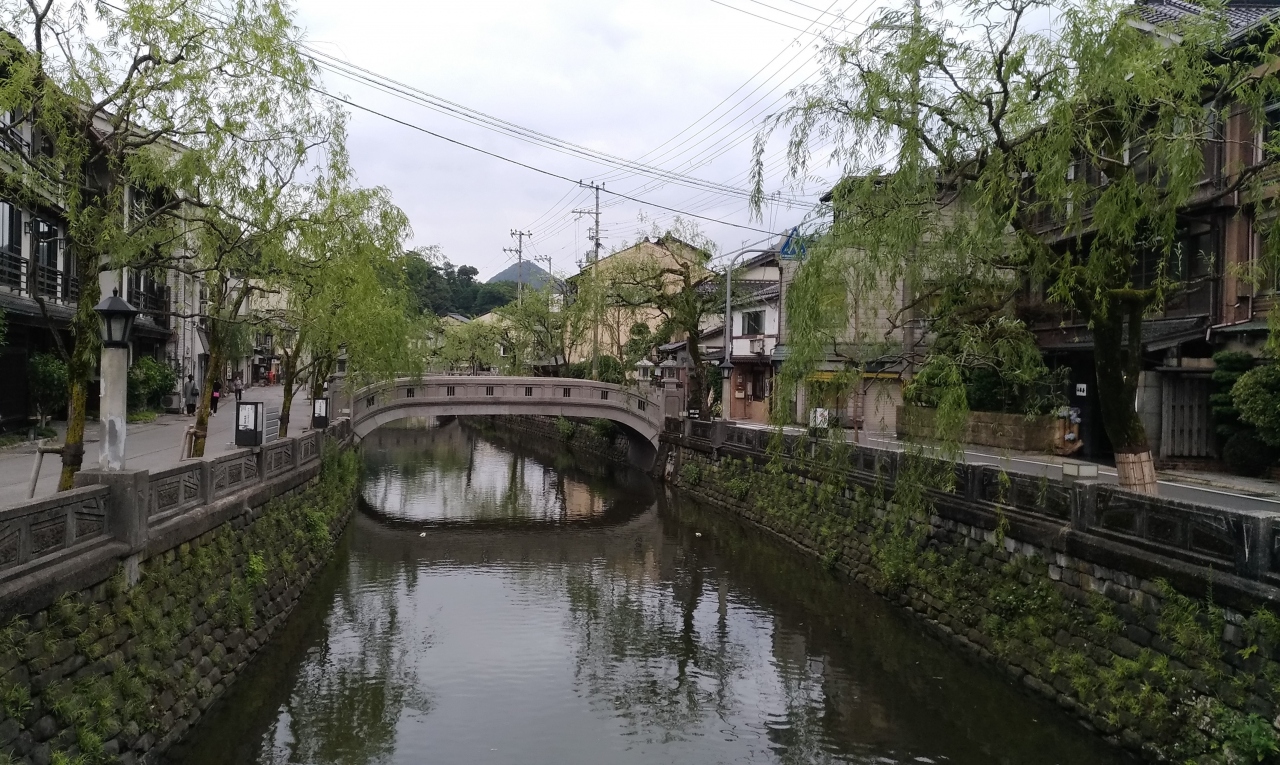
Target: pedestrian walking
[
  {"x": 217, "y": 394},
  {"x": 239, "y": 386},
  {"x": 191, "y": 394}
]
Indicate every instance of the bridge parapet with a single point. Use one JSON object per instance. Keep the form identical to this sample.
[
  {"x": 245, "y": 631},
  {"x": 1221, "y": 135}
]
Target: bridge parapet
[{"x": 638, "y": 409}]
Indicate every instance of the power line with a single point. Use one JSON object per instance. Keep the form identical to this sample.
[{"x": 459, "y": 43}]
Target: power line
[{"x": 517, "y": 162}]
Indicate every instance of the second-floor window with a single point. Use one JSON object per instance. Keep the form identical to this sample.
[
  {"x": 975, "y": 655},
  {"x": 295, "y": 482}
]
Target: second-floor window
[
  {"x": 753, "y": 322},
  {"x": 1271, "y": 122},
  {"x": 46, "y": 243},
  {"x": 10, "y": 228}
]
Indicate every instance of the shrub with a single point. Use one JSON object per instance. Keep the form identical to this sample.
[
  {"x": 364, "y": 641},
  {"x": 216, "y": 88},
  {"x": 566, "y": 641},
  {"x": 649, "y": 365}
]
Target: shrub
[
  {"x": 149, "y": 380},
  {"x": 1229, "y": 366},
  {"x": 1248, "y": 455},
  {"x": 603, "y": 428},
  {"x": 566, "y": 428},
  {"x": 691, "y": 474},
  {"x": 47, "y": 375},
  {"x": 1257, "y": 395}
]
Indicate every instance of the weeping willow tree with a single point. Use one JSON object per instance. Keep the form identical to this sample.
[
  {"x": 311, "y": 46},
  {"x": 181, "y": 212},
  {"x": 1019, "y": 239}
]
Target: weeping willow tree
[{"x": 991, "y": 155}]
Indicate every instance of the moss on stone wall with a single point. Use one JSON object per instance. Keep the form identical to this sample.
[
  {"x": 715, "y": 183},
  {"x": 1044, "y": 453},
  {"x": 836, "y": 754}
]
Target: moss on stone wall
[
  {"x": 116, "y": 673},
  {"x": 1178, "y": 679}
]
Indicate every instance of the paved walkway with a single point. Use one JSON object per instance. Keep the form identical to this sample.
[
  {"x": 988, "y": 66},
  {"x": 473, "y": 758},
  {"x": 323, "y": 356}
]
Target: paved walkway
[{"x": 153, "y": 446}]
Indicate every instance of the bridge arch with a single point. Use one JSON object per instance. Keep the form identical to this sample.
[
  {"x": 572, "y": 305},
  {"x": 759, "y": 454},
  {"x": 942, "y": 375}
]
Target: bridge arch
[{"x": 639, "y": 412}]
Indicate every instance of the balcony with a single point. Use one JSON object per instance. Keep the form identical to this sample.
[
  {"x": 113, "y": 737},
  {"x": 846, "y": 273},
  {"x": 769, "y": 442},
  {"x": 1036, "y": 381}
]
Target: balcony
[{"x": 11, "y": 271}]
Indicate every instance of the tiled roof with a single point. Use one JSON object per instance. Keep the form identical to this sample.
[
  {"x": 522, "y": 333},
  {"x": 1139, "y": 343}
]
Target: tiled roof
[{"x": 1241, "y": 17}]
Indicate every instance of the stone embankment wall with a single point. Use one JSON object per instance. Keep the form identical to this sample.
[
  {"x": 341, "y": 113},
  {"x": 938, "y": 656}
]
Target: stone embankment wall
[
  {"x": 111, "y": 648},
  {"x": 597, "y": 439},
  {"x": 1151, "y": 621}
]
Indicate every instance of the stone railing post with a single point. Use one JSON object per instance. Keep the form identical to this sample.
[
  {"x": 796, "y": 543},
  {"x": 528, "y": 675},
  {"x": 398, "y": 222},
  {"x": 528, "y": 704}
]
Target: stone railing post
[
  {"x": 128, "y": 503},
  {"x": 1084, "y": 504},
  {"x": 1253, "y": 557}
]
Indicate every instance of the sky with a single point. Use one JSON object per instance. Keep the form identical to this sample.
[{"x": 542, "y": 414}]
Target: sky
[{"x": 677, "y": 84}]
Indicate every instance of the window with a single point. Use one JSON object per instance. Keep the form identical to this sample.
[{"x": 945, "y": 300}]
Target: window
[
  {"x": 528, "y": 390},
  {"x": 449, "y": 390},
  {"x": 369, "y": 401},
  {"x": 1271, "y": 123},
  {"x": 604, "y": 395},
  {"x": 46, "y": 243},
  {"x": 410, "y": 393},
  {"x": 753, "y": 322},
  {"x": 488, "y": 390},
  {"x": 566, "y": 393},
  {"x": 10, "y": 228},
  {"x": 641, "y": 404},
  {"x": 757, "y": 385}
]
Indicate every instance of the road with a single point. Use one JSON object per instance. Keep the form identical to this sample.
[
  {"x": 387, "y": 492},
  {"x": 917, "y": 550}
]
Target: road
[{"x": 153, "y": 446}]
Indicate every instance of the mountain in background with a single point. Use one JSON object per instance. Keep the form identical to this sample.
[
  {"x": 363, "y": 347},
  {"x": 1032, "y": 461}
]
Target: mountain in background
[{"x": 527, "y": 273}]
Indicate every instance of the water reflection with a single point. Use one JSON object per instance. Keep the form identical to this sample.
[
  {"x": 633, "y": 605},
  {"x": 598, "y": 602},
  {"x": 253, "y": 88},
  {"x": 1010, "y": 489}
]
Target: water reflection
[
  {"x": 658, "y": 633},
  {"x": 451, "y": 474}
]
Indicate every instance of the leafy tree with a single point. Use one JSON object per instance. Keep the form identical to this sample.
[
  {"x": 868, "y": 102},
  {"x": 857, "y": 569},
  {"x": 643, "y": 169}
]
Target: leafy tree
[
  {"x": 472, "y": 347},
  {"x": 47, "y": 379},
  {"x": 149, "y": 380},
  {"x": 342, "y": 292},
  {"x": 538, "y": 329},
  {"x": 138, "y": 99},
  {"x": 440, "y": 288},
  {"x": 681, "y": 290},
  {"x": 1257, "y": 397},
  {"x": 959, "y": 133}
]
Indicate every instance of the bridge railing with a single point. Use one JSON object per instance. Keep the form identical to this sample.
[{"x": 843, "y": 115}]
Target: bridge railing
[{"x": 639, "y": 403}]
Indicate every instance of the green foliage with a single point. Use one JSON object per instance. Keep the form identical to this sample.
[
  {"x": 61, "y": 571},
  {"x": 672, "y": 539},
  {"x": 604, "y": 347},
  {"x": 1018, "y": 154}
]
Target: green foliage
[
  {"x": 691, "y": 474},
  {"x": 956, "y": 147},
  {"x": 439, "y": 288},
  {"x": 1257, "y": 396},
  {"x": 47, "y": 382},
  {"x": 1228, "y": 367},
  {"x": 255, "y": 571},
  {"x": 149, "y": 380},
  {"x": 1248, "y": 455},
  {"x": 472, "y": 347},
  {"x": 566, "y": 428},
  {"x": 610, "y": 370},
  {"x": 602, "y": 428}
]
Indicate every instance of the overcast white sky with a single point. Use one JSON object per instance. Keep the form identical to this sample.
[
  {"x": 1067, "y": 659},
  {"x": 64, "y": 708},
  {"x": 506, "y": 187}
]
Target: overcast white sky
[{"x": 622, "y": 77}]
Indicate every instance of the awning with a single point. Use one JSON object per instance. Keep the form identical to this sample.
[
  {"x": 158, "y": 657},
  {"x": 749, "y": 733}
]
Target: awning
[{"x": 202, "y": 342}]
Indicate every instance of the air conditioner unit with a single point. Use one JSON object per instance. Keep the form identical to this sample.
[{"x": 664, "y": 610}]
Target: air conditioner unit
[{"x": 757, "y": 346}]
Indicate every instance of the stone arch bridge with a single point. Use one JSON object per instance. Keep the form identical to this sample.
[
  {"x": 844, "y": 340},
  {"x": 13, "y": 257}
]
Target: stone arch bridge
[{"x": 639, "y": 410}]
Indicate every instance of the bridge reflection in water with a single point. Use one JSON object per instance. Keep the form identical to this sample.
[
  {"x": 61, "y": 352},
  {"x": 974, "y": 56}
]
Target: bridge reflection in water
[{"x": 629, "y": 627}]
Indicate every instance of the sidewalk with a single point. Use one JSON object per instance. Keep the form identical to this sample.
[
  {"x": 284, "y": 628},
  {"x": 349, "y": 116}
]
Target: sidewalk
[{"x": 153, "y": 446}]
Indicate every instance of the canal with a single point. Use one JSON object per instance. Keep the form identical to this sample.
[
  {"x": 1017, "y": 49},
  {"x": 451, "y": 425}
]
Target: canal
[{"x": 496, "y": 604}]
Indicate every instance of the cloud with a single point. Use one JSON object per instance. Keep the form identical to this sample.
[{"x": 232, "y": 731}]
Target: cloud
[{"x": 620, "y": 77}]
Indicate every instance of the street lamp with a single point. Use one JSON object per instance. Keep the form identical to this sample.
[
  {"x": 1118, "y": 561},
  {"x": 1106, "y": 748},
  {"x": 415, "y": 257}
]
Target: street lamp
[{"x": 117, "y": 318}]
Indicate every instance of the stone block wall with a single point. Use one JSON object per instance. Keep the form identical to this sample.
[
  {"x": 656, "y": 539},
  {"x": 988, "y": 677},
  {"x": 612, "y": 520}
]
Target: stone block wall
[
  {"x": 119, "y": 670},
  {"x": 1176, "y": 662},
  {"x": 580, "y": 436}
]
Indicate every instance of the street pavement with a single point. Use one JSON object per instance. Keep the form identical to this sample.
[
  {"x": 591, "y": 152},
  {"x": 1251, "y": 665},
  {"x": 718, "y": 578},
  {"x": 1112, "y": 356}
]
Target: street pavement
[{"x": 153, "y": 446}]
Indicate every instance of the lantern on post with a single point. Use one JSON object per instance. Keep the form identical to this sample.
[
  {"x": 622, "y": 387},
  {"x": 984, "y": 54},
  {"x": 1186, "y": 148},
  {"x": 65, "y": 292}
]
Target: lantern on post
[{"x": 117, "y": 318}]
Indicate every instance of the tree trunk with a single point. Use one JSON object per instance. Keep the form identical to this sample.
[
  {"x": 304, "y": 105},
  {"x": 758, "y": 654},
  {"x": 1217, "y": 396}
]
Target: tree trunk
[
  {"x": 216, "y": 360},
  {"x": 1119, "y": 363},
  {"x": 287, "y": 375},
  {"x": 85, "y": 340}
]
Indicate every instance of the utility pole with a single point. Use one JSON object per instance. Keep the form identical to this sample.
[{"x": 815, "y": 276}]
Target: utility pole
[
  {"x": 595, "y": 286},
  {"x": 519, "y": 253}
]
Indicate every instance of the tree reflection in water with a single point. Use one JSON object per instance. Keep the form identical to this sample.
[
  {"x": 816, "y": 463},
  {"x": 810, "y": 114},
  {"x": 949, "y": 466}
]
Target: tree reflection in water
[{"x": 354, "y": 687}]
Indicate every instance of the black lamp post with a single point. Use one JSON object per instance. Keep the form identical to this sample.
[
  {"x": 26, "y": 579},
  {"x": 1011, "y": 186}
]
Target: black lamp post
[{"x": 117, "y": 320}]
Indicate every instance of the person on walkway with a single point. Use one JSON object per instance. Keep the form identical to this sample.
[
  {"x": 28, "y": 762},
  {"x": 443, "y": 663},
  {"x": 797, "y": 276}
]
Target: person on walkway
[
  {"x": 191, "y": 394},
  {"x": 217, "y": 394},
  {"x": 239, "y": 386}
]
